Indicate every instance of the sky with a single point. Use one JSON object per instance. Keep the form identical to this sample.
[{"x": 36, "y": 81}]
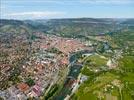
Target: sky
[{"x": 48, "y": 9}]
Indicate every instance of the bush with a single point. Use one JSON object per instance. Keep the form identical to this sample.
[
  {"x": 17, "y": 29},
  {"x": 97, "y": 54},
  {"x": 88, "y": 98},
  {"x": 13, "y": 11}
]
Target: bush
[{"x": 30, "y": 82}]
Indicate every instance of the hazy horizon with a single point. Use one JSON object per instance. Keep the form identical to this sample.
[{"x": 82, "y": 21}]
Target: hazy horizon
[
  {"x": 64, "y": 18},
  {"x": 56, "y": 9}
]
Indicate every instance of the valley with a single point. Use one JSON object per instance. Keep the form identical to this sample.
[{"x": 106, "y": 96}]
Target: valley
[{"x": 67, "y": 59}]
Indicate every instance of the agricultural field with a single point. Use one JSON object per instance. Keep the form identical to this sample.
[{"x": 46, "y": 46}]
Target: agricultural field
[{"x": 110, "y": 84}]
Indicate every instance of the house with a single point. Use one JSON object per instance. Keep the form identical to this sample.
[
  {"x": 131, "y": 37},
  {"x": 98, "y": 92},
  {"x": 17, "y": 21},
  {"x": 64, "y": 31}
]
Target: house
[
  {"x": 36, "y": 90},
  {"x": 64, "y": 61},
  {"x": 23, "y": 87}
]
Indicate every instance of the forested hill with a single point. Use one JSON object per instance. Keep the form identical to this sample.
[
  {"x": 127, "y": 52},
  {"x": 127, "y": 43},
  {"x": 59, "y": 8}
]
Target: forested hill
[{"x": 72, "y": 27}]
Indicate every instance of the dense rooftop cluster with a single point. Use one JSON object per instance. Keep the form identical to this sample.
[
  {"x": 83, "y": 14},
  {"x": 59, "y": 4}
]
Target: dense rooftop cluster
[{"x": 41, "y": 59}]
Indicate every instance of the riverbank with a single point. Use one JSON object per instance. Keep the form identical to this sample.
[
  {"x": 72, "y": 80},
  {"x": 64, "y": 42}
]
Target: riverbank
[{"x": 73, "y": 77}]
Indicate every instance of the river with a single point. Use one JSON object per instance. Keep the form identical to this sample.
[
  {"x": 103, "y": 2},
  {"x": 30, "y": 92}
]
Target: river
[{"x": 72, "y": 75}]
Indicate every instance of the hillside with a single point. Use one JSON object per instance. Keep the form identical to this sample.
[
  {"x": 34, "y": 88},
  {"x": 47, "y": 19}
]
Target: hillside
[{"x": 62, "y": 27}]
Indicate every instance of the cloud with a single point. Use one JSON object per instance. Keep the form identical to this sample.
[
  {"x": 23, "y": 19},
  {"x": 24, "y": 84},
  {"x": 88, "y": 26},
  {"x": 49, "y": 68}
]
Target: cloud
[{"x": 36, "y": 15}]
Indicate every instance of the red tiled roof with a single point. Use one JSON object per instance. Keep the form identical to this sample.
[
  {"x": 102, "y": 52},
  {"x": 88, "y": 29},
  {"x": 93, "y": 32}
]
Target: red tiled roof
[
  {"x": 64, "y": 60},
  {"x": 23, "y": 87}
]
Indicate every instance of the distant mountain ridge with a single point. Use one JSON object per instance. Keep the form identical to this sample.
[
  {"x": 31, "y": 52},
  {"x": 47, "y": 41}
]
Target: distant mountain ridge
[{"x": 71, "y": 27}]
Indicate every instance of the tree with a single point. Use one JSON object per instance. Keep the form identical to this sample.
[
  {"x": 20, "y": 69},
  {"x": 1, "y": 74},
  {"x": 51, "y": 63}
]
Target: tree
[{"x": 30, "y": 81}]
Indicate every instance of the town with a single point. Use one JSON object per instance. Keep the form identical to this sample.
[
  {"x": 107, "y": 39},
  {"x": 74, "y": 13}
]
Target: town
[
  {"x": 42, "y": 67},
  {"x": 67, "y": 59}
]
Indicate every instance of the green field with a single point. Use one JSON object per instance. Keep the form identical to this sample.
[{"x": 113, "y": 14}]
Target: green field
[
  {"x": 91, "y": 89},
  {"x": 95, "y": 61},
  {"x": 107, "y": 85}
]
